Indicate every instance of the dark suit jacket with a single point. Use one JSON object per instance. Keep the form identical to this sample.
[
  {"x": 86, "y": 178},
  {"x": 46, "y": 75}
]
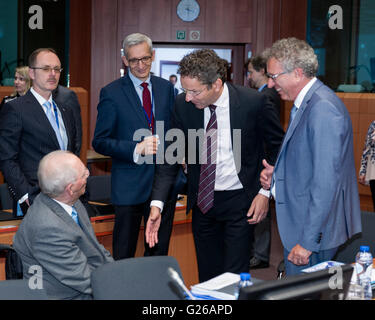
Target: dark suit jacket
[
  {"x": 49, "y": 238},
  {"x": 120, "y": 115},
  {"x": 26, "y": 136},
  {"x": 273, "y": 97},
  {"x": 249, "y": 113},
  {"x": 63, "y": 96}
]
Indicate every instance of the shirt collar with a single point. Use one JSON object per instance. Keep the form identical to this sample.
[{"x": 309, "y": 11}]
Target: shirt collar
[
  {"x": 65, "y": 206},
  {"x": 262, "y": 87},
  {"x": 223, "y": 100},
  {"x": 303, "y": 92},
  {"x": 38, "y": 97},
  {"x": 137, "y": 82}
]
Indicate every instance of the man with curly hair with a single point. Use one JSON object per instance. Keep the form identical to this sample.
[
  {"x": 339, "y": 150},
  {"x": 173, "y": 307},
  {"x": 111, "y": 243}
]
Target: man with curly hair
[{"x": 224, "y": 192}]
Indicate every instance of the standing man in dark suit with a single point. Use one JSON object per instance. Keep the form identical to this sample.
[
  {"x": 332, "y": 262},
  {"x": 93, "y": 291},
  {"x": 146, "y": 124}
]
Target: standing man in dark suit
[
  {"x": 34, "y": 125},
  {"x": 257, "y": 76},
  {"x": 223, "y": 188},
  {"x": 67, "y": 97},
  {"x": 56, "y": 236},
  {"x": 132, "y": 108}
]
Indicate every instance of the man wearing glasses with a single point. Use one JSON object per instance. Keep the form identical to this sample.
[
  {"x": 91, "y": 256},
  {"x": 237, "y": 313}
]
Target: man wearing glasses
[
  {"x": 134, "y": 103},
  {"x": 314, "y": 180},
  {"x": 223, "y": 182},
  {"x": 34, "y": 125}
]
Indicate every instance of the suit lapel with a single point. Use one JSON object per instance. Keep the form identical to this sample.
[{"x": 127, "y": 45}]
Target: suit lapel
[
  {"x": 156, "y": 99},
  {"x": 36, "y": 110},
  {"x": 302, "y": 109},
  {"x": 68, "y": 122},
  {"x": 132, "y": 96},
  {"x": 235, "y": 121},
  {"x": 60, "y": 212}
]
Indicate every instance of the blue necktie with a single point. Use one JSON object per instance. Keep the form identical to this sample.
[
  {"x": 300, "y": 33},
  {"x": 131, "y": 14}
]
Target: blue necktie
[
  {"x": 293, "y": 113},
  {"x": 75, "y": 216},
  {"x": 54, "y": 121}
]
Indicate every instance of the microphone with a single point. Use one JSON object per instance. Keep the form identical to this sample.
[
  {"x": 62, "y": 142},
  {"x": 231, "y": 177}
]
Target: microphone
[{"x": 177, "y": 279}]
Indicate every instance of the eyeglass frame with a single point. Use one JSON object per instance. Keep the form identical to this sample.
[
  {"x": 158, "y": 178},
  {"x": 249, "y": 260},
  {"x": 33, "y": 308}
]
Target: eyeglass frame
[
  {"x": 147, "y": 60},
  {"x": 192, "y": 92},
  {"x": 48, "y": 69},
  {"x": 275, "y": 76}
]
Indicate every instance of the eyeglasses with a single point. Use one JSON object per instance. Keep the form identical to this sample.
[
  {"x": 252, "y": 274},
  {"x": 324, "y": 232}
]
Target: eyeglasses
[
  {"x": 145, "y": 60},
  {"x": 193, "y": 93},
  {"x": 47, "y": 69},
  {"x": 275, "y": 76}
]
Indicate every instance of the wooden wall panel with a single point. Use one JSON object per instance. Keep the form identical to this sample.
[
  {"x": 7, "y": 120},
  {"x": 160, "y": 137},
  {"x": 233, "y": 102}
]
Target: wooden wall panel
[{"x": 104, "y": 52}]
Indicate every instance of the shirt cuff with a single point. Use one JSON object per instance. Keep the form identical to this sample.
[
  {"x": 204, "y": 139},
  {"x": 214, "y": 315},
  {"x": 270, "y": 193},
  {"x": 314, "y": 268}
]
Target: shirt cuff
[
  {"x": 135, "y": 155},
  {"x": 24, "y": 198},
  {"x": 265, "y": 192},
  {"x": 157, "y": 203}
]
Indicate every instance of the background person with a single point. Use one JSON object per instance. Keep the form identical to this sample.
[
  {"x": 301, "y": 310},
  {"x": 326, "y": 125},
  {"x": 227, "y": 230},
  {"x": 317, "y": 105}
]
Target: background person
[
  {"x": 33, "y": 126},
  {"x": 257, "y": 76},
  {"x": 22, "y": 84},
  {"x": 367, "y": 170}
]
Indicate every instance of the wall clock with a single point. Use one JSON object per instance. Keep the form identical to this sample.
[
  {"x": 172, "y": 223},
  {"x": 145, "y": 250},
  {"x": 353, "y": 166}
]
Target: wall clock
[{"x": 188, "y": 10}]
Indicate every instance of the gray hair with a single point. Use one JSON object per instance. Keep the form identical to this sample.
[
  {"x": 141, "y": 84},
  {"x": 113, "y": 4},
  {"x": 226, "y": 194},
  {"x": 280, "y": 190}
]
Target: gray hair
[
  {"x": 293, "y": 53},
  {"x": 135, "y": 39},
  {"x": 55, "y": 172}
]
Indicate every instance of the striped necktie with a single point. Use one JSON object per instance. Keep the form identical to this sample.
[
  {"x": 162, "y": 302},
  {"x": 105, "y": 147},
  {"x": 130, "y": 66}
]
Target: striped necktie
[{"x": 206, "y": 189}]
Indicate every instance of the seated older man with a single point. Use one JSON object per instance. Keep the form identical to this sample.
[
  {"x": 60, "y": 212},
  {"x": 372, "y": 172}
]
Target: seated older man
[{"x": 56, "y": 236}]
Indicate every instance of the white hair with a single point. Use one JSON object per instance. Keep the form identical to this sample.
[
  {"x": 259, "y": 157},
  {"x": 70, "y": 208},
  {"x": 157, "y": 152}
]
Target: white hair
[{"x": 56, "y": 171}]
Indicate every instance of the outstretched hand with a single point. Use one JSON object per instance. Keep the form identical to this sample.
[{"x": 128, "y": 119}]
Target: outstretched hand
[{"x": 152, "y": 226}]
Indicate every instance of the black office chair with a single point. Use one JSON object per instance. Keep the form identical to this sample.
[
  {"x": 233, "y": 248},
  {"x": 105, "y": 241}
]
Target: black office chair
[
  {"x": 5, "y": 197},
  {"x": 142, "y": 278},
  {"x": 346, "y": 253},
  {"x": 13, "y": 263},
  {"x": 20, "y": 290},
  {"x": 98, "y": 188}
]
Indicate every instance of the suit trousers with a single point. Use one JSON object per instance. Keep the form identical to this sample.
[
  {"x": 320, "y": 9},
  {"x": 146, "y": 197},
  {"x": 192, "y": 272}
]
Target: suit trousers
[
  {"x": 127, "y": 225},
  {"x": 222, "y": 235},
  {"x": 262, "y": 239}
]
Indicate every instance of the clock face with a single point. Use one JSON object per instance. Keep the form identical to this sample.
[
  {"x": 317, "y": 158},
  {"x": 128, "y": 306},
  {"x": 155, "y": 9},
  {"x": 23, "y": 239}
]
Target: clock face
[{"x": 188, "y": 10}]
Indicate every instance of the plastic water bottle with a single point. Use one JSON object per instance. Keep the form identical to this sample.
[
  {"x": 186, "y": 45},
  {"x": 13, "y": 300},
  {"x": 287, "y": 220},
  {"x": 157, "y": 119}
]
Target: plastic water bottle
[
  {"x": 363, "y": 265},
  {"x": 245, "y": 281}
]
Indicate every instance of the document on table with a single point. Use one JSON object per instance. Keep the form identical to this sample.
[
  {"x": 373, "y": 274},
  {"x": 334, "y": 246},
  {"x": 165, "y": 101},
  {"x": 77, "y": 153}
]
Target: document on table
[{"x": 221, "y": 287}]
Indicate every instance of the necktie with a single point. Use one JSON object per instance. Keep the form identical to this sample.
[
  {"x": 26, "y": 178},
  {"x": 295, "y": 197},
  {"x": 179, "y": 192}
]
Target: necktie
[
  {"x": 75, "y": 216},
  {"x": 293, "y": 113},
  {"x": 54, "y": 121},
  {"x": 147, "y": 105},
  {"x": 206, "y": 189}
]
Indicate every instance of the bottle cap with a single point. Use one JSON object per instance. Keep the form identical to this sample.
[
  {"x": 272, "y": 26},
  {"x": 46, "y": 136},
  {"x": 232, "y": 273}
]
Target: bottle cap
[
  {"x": 245, "y": 276},
  {"x": 364, "y": 248}
]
